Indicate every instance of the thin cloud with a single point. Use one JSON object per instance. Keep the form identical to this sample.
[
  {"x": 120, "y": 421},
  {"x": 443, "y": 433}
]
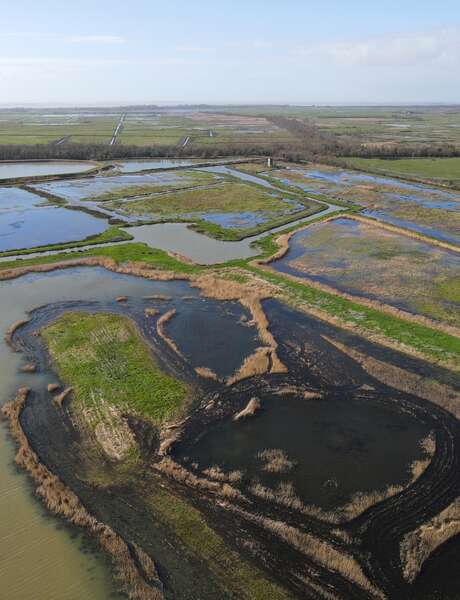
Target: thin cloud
[
  {"x": 397, "y": 50},
  {"x": 69, "y": 39}
]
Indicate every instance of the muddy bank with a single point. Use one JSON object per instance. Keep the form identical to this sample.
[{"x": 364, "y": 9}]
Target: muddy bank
[{"x": 133, "y": 568}]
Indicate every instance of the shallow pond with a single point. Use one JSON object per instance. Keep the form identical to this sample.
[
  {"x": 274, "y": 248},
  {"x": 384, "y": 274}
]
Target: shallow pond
[
  {"x": 339, "y": 445},
  {"x": 368, "y": 261},
  {"x": 414, "y": 206},
  {"x": 26, "y": 221},
  {"x": 12, "y": 170},
  {"x": 133, "y": 166},
  {"x": 80, "y": 189}
]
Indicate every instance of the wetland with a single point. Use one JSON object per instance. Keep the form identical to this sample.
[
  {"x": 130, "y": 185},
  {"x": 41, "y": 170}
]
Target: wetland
[{"x": 185, "y": 414}]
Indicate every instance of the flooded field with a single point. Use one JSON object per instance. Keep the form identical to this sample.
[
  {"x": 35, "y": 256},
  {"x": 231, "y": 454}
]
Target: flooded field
[
  {"x": 429, "y": 210},
  {"x": 96, "y": 188},
  {"x": 27, "y": 221},
  {"x": 229, "y": 205},
  {"x": 368, "y": 261},
  {"x": 13, "y": 170}
]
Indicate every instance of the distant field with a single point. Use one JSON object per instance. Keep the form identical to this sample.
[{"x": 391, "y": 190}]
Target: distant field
[{"x": 447, "y": 169}]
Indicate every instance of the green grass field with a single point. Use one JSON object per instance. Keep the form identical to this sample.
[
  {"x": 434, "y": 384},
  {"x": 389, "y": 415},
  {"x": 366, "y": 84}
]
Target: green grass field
[
  {"x": 445, "y": 169},
  {"x": 224, "y": 197},
  {"x": 103, "y": 356}
]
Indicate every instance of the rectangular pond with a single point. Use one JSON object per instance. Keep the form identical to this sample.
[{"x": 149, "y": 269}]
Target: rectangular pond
[
  {"x": 13, "y": 170},
  {"x": 26, "y": 221}
]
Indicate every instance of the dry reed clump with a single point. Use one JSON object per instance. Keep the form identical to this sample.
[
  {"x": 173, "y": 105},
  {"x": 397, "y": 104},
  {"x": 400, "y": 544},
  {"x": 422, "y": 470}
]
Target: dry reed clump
[
  {"x": 276, "y": 460},
  {"x": 317, "y": 550},
  {"x": 257, "y": 363},
  {"x": 405, "y": 381},
  {"x": 417, "y": 545},
  {"x": 13, "y": 328},
  {"x": 62, "y": 501},
  {"x": 161, "y": 323},
  {"x": 59, "y": 398},
  {"x": 206, "y": 373},
  {"x": 216, "y": 473},
  {"x": 52, "y": 387},
  {"x": 284, "y": 494},
  {"x": 289, "y": 390},
  {"x": 250, "y": 409},
  {"x": 179, "y": 473},
  {"x": 151, "y": 312}
]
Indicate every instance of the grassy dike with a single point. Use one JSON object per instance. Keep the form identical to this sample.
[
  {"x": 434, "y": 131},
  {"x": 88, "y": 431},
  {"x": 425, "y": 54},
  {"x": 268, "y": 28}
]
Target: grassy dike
[
  {"x": 104, "y": 356},
  {"x": 112, "y": 234}
]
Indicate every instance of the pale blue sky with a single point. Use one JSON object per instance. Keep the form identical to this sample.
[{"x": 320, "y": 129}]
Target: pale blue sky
[{"x": 253, "y": 51}]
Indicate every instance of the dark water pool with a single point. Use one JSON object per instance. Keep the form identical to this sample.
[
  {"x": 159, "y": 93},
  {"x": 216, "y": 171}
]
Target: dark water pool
[
  {"x": 341, "y": 446},
  {"x": 213, "y": 334}
]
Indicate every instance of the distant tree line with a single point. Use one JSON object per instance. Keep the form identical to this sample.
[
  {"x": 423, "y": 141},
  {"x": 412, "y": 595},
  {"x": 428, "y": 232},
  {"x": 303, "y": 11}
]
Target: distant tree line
[
  {"x": 308, "y": 143},
  {"x": 316, "y": 142}
]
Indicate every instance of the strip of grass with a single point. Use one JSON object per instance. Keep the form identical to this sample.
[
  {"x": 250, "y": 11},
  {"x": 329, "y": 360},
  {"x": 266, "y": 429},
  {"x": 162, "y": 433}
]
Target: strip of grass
[
  {"x": 430, "y": 342},
  {"x": 445, "y": 169},
  {"x": 121, "y": 253},
  {"x": 112, "y": 234},
  {"x": 104, "y": 356},
  {"x": 240, "y": 579}
]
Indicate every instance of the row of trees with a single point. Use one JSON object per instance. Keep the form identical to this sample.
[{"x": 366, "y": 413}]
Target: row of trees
[
  {"x": 307, "y": 142},
  {"x": 316, "y": 142}
]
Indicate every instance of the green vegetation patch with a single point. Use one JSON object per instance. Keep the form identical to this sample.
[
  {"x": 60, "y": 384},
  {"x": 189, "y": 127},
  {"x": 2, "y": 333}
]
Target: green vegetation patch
[
  {"x": 121, "y": 253},
  {"x": 237, "y": 578},
  {"x": 226, "y": 197},
  {"x": 105, "y": 359}
]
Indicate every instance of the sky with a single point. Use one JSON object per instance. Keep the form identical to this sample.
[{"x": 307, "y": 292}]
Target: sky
[{"x": 252, "y": 51}]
